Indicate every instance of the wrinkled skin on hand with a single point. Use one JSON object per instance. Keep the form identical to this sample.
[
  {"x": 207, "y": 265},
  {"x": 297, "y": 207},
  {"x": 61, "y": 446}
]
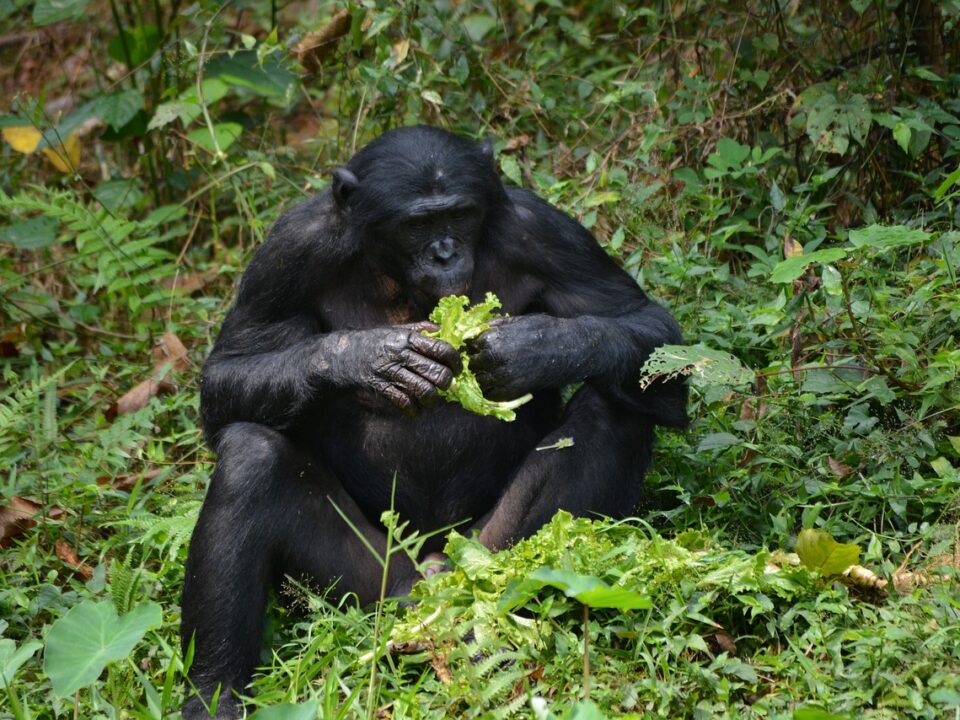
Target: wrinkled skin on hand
[
  {"x": 521, "y": 354},
  {"x": 398, "y": 362}
]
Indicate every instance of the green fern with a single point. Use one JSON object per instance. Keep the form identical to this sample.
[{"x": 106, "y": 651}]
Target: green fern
[
  {"x": 119, "y": 253},
  {"x": 124, "y": 583},
  {"x": 167, "y": 533},
  {"x": 22, "y": 401}
]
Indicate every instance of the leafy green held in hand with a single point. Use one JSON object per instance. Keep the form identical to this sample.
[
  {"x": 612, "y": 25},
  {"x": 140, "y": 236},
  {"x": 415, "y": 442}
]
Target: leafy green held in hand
[{"x": 458, "y": 323}]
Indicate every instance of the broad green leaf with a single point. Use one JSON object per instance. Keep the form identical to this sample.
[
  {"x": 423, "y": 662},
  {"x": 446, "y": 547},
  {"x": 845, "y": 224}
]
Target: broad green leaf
[
  {"x": 586, "y": 710},
  {"x": 477, "y": 26},
  {"x": 883, "y": 237},
  {"x": 511, "y": 168},
  {"x": 432, "y": 97},
  {"x": 119, "y": 194},
  {"x": 833, "y": 121},
  {"x": 288, "y": 711},
  {"x": 777, "y": 198},
  {"x": 819, "y": 551},
  {"x": 901, "y": 133},
  {"x": 81, "y": 643},
  {"x": 12, "y": 657},
  {"x": 793, "y": 267},
  {"x": 141, "y": 42},
  {"x": 729, "y": 154},
  {"x": 46, "y": 12},
  {"x": 703, "y": 365},
  {"x": 226, "y": 133},
  {"x": 187, "y": 107},
  {"x": 715, "y": 441},
  {"x": 814, "y": 713},
  {"x": 118, "y": 109},
  {"x": 243, "y": 70},
  {"x": 38, "y": 232},
  {"x": 586, "y": 589}
]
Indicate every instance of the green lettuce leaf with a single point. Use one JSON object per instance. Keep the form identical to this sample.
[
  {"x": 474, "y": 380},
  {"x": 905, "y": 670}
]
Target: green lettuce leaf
[{"x": 459, "y": 323}]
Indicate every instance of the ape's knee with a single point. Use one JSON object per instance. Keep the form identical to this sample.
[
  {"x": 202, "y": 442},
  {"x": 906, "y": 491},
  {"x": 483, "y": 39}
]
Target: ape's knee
[{"x": 250, "y": 458}]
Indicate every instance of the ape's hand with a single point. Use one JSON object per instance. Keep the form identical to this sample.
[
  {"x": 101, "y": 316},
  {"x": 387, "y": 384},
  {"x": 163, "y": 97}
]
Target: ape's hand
[
  {"x": 396, "y": 362},
  {"x": 524, "y": 353}
]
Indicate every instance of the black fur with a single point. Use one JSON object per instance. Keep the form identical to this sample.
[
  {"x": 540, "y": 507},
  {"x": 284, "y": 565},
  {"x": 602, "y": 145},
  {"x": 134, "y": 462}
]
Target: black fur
[{"x": 321, "y": 388}]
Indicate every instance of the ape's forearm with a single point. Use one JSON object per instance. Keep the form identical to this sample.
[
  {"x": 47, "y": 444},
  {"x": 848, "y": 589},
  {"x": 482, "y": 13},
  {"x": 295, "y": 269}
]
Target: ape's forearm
[
  {"x": 614, "y": 362},
  {"x": 277, "y": 388},
  {"x": 271, "y": 388}
]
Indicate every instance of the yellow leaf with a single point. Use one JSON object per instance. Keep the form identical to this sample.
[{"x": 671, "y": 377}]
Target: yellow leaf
[
  {"x": 22, "y": 139},
  {"x": 791, "y": 248},
  {"x": 399, "y": 51},
  {"x": 65, "y": 157}
]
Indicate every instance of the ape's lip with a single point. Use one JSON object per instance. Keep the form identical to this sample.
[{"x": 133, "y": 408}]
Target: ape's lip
[{"x": 428, "y": 299}]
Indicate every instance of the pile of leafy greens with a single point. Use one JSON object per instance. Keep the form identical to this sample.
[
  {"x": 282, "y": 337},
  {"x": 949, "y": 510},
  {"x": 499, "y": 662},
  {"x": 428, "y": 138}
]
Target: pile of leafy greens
[{"x": 459, "y": 323}]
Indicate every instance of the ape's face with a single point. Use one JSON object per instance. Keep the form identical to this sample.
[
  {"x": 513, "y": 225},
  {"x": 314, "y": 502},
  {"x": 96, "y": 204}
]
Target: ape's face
[{"x": 433, "y": 247}]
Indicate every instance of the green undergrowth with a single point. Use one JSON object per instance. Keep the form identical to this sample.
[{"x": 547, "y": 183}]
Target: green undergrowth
[
  {"x": 782, "y": 176},
  {"x": 715, "y": 632}
]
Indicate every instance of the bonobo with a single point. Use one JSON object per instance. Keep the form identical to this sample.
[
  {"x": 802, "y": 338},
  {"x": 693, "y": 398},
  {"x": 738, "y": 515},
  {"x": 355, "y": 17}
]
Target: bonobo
[{"x": 321, "y": 388}]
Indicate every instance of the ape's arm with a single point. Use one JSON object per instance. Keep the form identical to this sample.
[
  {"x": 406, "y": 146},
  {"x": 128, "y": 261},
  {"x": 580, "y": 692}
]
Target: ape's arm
[
  {"x": 597, "y": 325},
  {"x": 274, "y": 360}
]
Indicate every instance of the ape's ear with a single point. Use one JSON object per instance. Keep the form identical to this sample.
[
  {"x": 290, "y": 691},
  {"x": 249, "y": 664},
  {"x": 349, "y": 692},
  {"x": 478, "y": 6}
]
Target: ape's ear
[{"x": 344, "y": 183}]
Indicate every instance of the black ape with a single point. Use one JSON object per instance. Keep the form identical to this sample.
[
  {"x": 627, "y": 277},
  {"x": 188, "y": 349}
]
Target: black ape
[{"x": 321, "y": 387}]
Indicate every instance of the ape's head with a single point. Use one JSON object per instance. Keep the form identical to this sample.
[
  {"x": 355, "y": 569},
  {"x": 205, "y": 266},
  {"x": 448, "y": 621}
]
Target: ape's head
[{"x": 419, "y": 198}]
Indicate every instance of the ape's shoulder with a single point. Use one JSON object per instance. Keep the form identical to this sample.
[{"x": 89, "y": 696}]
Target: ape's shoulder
[
  {"x": 311, "y": 230},
  {"x": 307, "y": 245}
]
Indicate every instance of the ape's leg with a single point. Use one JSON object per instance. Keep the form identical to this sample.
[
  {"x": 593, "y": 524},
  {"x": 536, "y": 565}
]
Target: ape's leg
[
  {"x": 267, "y": 513},
  {"x": 602, "y": 473}
]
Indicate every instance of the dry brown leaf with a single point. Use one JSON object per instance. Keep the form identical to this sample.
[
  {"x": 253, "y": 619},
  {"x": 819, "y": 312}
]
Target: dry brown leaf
[
  {"x": 187, "y": 283},
  {"x": 906, "y": 582},
  {"x": 399, "y": 52},
  {"x": 317, "y": 46},
  {"x": 515, "y": 143},
  {"x": 838, "y": 468},
  {"x": 439, "y": 664},
  {"x": 126, "y": 483},
  {"x": 725, "y": 642},
  {"x": 791, "y": 248},
  {"x": 170, "y": 349},
  {"x": 19, "y": 515},
  {"x": 139, "y": 396},
  {"x": 66, "y": 553}
]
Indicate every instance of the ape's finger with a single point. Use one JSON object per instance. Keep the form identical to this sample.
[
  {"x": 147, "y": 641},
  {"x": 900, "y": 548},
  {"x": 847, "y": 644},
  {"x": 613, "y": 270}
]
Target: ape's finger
[
  {"x": 437, "y": 350},
  {"x": 424, "y": 326},
  {"x": 396, "y": 396},
  {"x": 437, "y": 374},
  {"x": 417, "y": 388}
]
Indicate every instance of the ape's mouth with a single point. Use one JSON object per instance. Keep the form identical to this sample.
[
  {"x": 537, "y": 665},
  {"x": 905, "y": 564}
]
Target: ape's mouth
[{"x": 428, "y": 297}]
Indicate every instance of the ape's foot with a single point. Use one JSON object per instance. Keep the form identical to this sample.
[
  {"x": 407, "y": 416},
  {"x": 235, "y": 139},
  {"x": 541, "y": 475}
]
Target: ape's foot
[{"x": 435, "y": 563}]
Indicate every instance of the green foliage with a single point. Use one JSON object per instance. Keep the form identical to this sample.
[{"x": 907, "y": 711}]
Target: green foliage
[
  {"x": 457, "y": 325},
  {"x": 782, "y": 176},
  {"x": 819, "y": 551},
  {"x": 90, "y": 635}
]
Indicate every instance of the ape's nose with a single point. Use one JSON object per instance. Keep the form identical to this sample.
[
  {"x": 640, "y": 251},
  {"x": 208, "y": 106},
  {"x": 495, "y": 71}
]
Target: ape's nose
[{"x": 444, "y": 250}]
